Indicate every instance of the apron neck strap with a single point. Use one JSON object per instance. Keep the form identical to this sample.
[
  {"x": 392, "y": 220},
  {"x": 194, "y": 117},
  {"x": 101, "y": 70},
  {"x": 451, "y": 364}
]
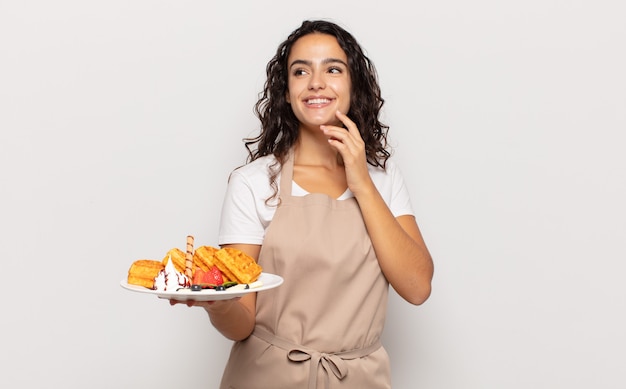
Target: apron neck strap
[{"x": 286, "y": 176}]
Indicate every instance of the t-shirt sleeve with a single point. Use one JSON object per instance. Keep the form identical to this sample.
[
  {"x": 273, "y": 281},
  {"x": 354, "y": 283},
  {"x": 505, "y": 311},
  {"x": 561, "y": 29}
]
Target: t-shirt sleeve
[
  {"x": 240, "y": 221},
  {"x": 400, "y": 203}
]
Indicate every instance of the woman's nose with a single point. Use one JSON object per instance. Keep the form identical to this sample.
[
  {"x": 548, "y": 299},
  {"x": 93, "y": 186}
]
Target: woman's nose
[{"x": 316, "y": 81}]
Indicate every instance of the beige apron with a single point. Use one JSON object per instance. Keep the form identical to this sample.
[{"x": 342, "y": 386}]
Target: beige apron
[{"x": 322, "y": 327}]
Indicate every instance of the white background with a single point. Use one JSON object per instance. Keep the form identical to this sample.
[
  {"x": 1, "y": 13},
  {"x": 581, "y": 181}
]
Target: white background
[{"x": 120, "y": 121}]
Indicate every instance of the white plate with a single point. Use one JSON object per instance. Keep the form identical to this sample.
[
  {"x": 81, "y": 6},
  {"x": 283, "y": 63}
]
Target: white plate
[{"x": 269, "y": 281}]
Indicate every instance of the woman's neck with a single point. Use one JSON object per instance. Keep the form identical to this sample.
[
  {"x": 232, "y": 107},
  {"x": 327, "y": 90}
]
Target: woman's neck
[{"x": 313, "y": 149}]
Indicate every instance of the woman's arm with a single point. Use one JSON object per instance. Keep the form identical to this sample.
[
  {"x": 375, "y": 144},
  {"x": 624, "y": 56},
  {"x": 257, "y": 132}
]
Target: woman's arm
[
  {"x": 400, "y": 248},
  {"x": 401, "y": 251}
]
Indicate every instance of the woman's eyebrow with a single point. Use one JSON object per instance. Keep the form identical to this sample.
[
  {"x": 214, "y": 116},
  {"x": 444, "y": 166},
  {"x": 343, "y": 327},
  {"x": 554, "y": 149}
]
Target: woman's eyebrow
[{"x": 324, "y": 62}]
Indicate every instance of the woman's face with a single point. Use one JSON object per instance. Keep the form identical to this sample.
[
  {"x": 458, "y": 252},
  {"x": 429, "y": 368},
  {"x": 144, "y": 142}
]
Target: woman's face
[{"x": 319, "y": 80}]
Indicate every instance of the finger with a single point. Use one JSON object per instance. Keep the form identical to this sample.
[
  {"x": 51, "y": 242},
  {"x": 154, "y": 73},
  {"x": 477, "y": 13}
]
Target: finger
[
  {"x": 352, "y": 129},
  {"x": 340, "y": 137},
  {"x": 350, "y": 125},
  {"x": 334, "y": 132}
]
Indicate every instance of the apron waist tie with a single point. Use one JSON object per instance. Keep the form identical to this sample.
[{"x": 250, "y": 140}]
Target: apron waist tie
[{"x": 331, "y": 362}]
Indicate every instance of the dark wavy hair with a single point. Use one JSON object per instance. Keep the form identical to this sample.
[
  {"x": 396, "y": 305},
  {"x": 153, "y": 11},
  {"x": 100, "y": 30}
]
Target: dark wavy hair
[{"x": 279, "y": 125}]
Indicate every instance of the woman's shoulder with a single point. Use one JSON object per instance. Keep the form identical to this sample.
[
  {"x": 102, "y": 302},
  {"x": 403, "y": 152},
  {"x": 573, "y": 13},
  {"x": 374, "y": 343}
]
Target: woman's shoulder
[
  {"x": 390, "y": 170},
  {"x": 253, "y": 178},
  {"x": 255, "y": 169},
  {"x": 391, "y": 185}
]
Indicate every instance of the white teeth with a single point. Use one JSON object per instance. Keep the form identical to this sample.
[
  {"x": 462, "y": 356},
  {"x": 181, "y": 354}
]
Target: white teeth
[{"x": 317, "y": 101}]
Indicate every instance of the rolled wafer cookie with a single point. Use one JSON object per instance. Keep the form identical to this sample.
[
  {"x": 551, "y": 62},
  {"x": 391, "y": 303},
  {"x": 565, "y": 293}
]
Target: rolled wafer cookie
[{"x": 189, "y": 257}]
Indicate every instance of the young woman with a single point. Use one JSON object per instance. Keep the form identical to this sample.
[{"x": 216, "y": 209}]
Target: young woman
[{"x": 321, "y": 204}]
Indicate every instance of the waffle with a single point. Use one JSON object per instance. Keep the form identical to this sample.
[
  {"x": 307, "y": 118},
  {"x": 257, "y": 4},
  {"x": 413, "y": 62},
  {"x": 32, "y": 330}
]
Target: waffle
[
  {"x": 203, "y": 257},
  {"x": 143, "y": 271},
  {"x": 237, "y": 265},
  {"x": 178, "y": 257}
]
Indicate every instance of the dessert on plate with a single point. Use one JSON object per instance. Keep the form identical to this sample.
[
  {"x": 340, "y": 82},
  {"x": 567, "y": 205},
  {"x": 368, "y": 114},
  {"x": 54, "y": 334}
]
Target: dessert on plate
[{"x": 205, "y": 267}]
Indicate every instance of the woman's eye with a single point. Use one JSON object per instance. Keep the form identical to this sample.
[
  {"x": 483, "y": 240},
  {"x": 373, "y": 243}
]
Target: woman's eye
[
  {"x": 334, "y": 70},
  {"x": 299, "y": 72}
]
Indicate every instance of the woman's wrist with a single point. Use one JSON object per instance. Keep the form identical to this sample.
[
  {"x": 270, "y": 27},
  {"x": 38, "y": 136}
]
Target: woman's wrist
[{"x": 220, "y": 307}]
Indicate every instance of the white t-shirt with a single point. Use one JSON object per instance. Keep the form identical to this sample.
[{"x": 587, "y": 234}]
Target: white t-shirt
[{"x": 246, "y": 215}]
